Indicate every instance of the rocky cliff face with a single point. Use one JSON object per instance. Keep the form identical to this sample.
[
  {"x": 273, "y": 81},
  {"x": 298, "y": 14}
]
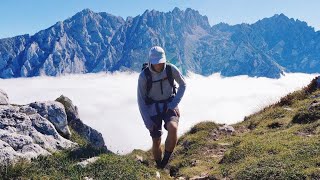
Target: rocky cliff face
[
  {"x": 39, "y": 128},
  {"x": 94, "y": 42},
  {"x": 77, "y": 45}
]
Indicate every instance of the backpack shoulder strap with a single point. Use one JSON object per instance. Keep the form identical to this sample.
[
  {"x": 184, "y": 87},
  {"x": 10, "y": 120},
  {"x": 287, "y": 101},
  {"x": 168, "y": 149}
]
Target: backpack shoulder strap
[
  {"x": 144, "y": 66},
  {"x": 170, "y": 76},
  {"x": 147, "y": 73}
]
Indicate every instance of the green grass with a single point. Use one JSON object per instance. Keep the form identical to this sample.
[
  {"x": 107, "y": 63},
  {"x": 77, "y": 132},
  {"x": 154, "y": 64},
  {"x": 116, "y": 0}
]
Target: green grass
[
  {"x": 269, "y": 144},
  {"x": 62, "y": 165}
]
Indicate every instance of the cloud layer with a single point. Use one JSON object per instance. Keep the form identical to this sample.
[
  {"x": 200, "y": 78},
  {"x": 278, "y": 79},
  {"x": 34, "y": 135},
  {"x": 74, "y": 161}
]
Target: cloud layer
[{"x": 107, "y": 102}]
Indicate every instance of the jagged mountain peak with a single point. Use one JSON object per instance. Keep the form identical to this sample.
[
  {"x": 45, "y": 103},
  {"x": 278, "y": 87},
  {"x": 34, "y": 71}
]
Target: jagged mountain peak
[
  {"x": 280, "y": 16},
  {"x": 188, "y": 16},
  {"x": 283, "y": 20},
  {"x": 89, "y": 14},
  {"x": 85, "y": 12},
  {"x": 177, "y": 10},
  {"x": 151, "y": 13},
  {"x": 276, "y": 18},
  {"x": 192, "y": 11}
]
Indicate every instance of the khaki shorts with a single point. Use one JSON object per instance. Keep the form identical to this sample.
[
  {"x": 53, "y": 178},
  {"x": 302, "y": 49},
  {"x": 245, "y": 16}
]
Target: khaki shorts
[{"x": 171, "y": 115}]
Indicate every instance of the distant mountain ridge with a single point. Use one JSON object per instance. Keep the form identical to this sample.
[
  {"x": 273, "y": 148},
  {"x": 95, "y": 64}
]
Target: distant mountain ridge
[{"x": 94, "y": 42}]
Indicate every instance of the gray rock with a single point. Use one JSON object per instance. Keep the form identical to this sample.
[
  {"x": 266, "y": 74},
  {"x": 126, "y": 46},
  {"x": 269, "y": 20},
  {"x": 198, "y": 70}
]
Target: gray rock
[
  {"x": 181, "y": 178},
  {"x": 7, "y": 153},
  {"x": 88, "y": 178},
  {"x": 71, "y": 110},
  {"x": 87, "y": 162},
  {"x": 139, "y": 158},
  {"x": 40, "y": 128},
  {"x": 315, "y": 96},
  {"x": 3, "y": 97},
  {"x": 318, "y": 82},
  {"x": 91, "y": 135},
  {"x": 158, "y": 176},
  {"x": 227, "y": 129},
  {"x": 200, "y": 178},
  {"x": 314, "y": 106},
  {"x": 26, "y": 134},
  {"x": 55, "y": 113},
  {"x": 288, "y": 108}
]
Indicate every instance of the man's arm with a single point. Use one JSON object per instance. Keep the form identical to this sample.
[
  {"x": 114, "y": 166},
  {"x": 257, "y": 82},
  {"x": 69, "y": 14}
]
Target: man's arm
[
  {"x": 182, "y": 87},
  {"x": 141, "y": 95}
]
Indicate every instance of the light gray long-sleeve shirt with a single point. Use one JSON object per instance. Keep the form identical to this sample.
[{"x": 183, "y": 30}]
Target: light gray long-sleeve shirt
[{"x": 147, "y": 111}]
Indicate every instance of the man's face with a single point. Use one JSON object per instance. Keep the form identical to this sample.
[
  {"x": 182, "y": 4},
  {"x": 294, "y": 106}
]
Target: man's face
[{"x": 158, "y": 67}]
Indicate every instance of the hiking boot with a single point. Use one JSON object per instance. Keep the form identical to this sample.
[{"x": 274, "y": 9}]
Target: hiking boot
[{"x": 159, "y": 164}]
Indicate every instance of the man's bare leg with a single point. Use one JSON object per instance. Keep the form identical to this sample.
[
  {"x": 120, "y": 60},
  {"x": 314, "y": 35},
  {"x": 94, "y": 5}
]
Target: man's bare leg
[
  {"x": 172, "y": 136},
  {"x": 156, "y": 149},
  {"x": 171, "y": 142}
]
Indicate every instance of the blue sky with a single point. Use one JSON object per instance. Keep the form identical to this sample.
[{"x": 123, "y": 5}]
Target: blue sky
[{"x": 28, "y": 17}]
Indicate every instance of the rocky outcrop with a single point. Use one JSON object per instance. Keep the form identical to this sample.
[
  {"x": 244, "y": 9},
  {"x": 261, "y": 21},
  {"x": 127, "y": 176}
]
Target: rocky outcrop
[
  {"x": 91, "y": 135},
  {"x": 55, "y": 113},
  {"x": 40, "y": 128},
  {"x": 24, "y": 133}
]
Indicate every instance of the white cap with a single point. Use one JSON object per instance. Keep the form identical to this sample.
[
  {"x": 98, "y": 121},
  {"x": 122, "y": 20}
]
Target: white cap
[{"x": 157, "y": 55}]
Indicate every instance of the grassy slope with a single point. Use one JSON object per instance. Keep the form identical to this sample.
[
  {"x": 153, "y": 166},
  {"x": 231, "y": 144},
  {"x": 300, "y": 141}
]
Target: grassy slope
[
  {"x": 62, "y": 165},
  {"x": 266, "y": 145}
]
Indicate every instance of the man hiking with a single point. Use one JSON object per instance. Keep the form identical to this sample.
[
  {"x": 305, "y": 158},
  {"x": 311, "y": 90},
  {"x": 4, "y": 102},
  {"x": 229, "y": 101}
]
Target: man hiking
[{"x": 158, "y": 100}]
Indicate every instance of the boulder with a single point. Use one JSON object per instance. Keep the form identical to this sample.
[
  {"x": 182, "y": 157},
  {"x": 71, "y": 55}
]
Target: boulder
[
  {"x": 7, "y": 153},
  {"x": 55, "y": 113},
  {"x": 91, "y": 135},
  {"x": 227, "y": 129},
  {"x": 3, "y": 98},
  {"x": 71, "y": 110},
  {"x": 87, "y": 162}
]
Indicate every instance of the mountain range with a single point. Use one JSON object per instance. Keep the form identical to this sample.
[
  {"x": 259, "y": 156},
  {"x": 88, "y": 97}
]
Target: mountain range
[{"x": 91, "y": 42}]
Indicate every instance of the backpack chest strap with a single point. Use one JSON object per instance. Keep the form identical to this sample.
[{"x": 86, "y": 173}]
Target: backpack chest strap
[{"x": 163, "y": 79}]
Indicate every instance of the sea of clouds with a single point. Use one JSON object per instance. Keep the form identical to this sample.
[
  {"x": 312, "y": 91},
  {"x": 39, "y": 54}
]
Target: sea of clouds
[{"x": 107, "y": 101}]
